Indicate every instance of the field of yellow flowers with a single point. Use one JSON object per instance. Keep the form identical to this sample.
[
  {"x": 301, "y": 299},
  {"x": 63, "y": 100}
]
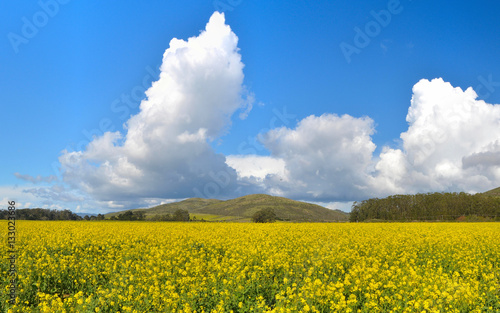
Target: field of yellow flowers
[{"x": 282, "y": 267}]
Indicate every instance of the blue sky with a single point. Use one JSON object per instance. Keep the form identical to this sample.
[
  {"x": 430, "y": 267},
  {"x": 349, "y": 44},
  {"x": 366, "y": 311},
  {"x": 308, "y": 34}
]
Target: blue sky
[{"x": 331, "y": 121}]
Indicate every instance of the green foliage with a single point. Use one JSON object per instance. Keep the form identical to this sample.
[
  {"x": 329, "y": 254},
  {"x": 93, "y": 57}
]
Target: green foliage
[
  {"x": 161, "y": 218},
  {"x": 99, "y": 217},
  {"x": 131, "y": 216},
  {"x": 42, "y": 214},
  {"x": 426, "y": 207},
  {"x": 179, "y": 215},
  {"x": 266, "y": 215}
]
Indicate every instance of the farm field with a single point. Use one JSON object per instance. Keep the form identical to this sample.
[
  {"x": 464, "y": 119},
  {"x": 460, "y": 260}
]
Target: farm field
[{"x": 241, "y": 267}]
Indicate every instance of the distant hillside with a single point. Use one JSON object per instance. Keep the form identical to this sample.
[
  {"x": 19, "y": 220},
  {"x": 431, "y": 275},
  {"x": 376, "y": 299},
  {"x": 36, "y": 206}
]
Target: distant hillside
[
  {"x": 493, "y": 192},
  {"x": 190, "y": 205},
  {"x": 244, "y": 207}
]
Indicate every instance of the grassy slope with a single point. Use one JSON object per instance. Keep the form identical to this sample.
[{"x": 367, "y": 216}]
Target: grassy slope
[
  {"x": 494, "y": 192},
  {"x": 244, "y": 207},
  {"x": 189, "y": 204},
  {"x": 284, "y": 208}
]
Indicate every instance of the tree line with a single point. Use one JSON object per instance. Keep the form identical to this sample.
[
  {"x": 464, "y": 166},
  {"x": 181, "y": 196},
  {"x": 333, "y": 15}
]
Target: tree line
[
  {"x": 426, "y": 207},
  {"x": 42, "y": 214},
  {"x": 98, "y": 217}
]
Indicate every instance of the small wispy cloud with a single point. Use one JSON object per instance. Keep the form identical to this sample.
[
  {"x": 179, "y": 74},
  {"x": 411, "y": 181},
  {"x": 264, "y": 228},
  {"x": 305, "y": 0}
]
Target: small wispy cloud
[
  {"x": 55, "y": 193},
  {"x": 37, "y": 179}
]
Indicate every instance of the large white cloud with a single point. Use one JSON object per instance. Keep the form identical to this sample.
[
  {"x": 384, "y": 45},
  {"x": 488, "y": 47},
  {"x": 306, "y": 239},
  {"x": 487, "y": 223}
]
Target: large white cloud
[
  {"x": 165, "y": 152},
  {"x": 452, "y": 144},
  {"x": 256, "y": 167},
  {"x": 326, "y": 157}
]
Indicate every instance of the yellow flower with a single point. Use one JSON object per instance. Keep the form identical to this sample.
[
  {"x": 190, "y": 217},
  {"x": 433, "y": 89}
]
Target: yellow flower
[{"x": 170, "y": 267}]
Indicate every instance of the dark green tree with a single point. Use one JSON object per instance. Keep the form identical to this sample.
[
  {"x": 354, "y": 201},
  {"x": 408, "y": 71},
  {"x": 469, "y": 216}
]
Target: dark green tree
[
  {"x": 266, "y": 215},
  {"x": 162, "y": 218},
  {"x": 181, "y": 216},
  {"x": 132, "y": 216}
]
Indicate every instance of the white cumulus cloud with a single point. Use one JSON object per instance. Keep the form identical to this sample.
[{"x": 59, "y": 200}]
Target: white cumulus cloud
[
  {"x": 165, "y": 152},
  {"x": 256, "y": 166},
  {"x": 326, "y": 157},
  {"x": 452, "y": 144}
]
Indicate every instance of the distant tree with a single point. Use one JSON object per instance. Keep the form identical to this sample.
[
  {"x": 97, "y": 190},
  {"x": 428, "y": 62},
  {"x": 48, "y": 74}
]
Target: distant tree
[
  {"x": 429, "y": 206},
  {"x": 42, "y": 214},
  {"x": 100, "y": 217},
  {"x": 181, "y": 216},
  {"x": 166, "y": 217},
  {"x": 354, "y": 215},
  {"x": 162, "y": 218},
  {"x": 131, "y": 216},
  {"x": 126, "y": 216},
  {"x": 140, "y": 216},
  {"x": 86, "y": 217},
  {"x": 67, "y": 215},
  {"x": 265, "y": 215}
]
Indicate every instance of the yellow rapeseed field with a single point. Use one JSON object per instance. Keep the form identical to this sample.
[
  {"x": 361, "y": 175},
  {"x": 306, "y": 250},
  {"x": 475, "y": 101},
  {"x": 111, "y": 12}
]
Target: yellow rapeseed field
[{"x": 282, "y": 267}]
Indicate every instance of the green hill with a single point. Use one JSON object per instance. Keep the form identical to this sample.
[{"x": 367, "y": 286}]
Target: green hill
[
  {"x": 493, "y": 192},
  {"x": 190, "y": 205},
  {"x": 242, "y": 209}
]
